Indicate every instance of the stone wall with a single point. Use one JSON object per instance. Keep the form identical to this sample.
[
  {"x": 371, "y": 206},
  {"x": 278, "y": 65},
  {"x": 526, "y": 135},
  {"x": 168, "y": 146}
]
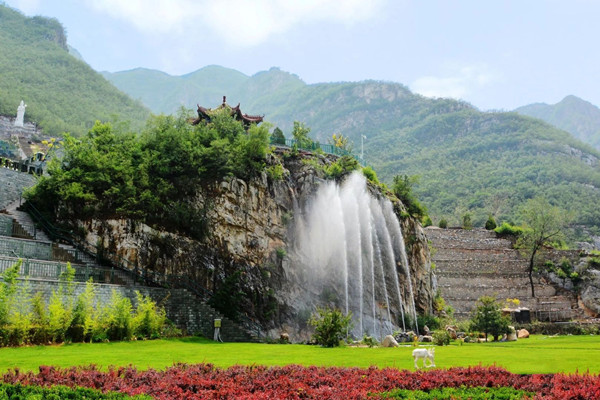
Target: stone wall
[
  {"x": 475, "y": 263},
  {"x": 183, "y": 308},
  {"x": 12, "y": 184}
]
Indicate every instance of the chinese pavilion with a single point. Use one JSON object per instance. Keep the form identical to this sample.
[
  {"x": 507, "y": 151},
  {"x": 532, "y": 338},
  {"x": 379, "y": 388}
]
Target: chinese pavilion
[{"x": 204, "y": 114}]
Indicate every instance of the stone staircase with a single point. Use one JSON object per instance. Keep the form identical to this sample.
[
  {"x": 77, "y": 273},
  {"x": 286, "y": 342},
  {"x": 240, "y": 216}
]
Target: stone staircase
[{"x": 475, "y": 263}]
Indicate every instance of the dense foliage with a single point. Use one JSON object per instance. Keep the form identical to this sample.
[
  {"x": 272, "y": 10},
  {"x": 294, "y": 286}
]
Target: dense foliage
[
  {"x": 204, "y": 381},
  {"x": 149, "y": 177},
  {"x": 467, "y": 160},
  {"x": 62, "y": 93},
  {"x": 29, "y": 319}
]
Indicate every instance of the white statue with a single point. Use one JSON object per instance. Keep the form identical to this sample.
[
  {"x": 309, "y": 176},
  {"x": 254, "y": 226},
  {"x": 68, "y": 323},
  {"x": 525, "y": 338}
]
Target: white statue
[{"x": 20, "y": 114}]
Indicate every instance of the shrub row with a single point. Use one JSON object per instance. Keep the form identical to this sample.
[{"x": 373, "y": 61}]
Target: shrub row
[
  {"x": 27, "y": 319},
  {"x": 205, "y": 381},
  {"x": 18, "y": 391}
]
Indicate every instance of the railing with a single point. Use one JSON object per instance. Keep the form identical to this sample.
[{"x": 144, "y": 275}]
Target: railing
[
  {"x": 25, "y": 248},
  {"x": 314, "y": 147},
  {"x": 53, "y": 270}
]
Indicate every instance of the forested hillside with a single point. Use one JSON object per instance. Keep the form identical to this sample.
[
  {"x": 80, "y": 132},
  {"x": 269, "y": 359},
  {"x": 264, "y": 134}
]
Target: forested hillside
[
  {"x": 467, "y": 160},
  {"x": 574, "y": 115},
  {"x": 62, "y": 93}
]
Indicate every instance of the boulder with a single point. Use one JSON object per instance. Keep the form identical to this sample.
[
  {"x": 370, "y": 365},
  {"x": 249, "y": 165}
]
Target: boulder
[
  {"x": 404, "y": 337},
  {"x": 523, "y": 334},
  {"x": 389, "y": 341},
  {"x": 452, "y": 332},
  {"x": 284, "y": 338},
  {"x": 426, "y": 338}
]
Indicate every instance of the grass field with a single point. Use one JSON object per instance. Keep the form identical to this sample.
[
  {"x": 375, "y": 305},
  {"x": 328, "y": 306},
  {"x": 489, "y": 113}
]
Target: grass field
[{"x": 538, "y": 354}]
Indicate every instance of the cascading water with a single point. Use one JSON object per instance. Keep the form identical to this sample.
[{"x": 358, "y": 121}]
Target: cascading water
[{"x": 350, "y": 248}]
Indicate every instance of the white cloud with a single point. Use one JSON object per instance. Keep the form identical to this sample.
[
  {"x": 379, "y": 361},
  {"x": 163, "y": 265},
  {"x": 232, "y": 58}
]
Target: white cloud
[
  {"x": 241, "y": 22},
  {"x": 457, "y": 82}
]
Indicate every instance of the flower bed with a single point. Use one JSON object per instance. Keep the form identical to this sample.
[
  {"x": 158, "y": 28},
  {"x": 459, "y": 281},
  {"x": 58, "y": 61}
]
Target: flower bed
[{"x": 204, "y": 381}]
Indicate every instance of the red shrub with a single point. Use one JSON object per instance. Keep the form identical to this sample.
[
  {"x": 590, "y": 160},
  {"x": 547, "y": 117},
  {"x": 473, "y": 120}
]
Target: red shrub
[{"x": 204, "y": 381}]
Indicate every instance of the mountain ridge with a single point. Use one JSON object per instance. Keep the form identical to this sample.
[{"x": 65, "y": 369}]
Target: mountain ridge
[
  {"x": 572, "y": 114},
  {"x": 468, "y": 161},
  {"x": 62, "y": 92}
]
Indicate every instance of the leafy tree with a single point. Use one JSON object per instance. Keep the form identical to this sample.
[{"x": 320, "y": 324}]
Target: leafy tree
[
  {"x": 331, "y": 326},
  {"x": 370, "y": 174},
  {"x": 544, "y": 224},
  {"x": 488, "y": 318},
  {"x": 300, "y": 135},
  {"x": 443, "y": 223}
]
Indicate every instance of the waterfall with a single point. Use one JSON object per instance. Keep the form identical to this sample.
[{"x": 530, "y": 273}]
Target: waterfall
[{"x": 349, "y": 246}]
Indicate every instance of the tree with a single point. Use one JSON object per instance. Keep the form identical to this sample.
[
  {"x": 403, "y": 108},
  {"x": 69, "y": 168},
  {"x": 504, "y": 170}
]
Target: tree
[
  {"x": 488, "y": 318},
  {"x": 543, "y": 224},
  {"x": 341, "y": 142},
  {"x": 300, "y": 134},
  {"x": 331, "y": 326},
  {"x": 277, "y": 136}
]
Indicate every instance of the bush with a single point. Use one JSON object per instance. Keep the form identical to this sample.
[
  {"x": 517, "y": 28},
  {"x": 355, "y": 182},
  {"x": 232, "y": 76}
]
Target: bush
[
  {"x": 490, "y": 224},
  {"x": 57, "y": 392},
  {"x": 488, "y": 318},
  {"x": 427, "y": 221},
  {"x": 370, "y": 174},
  {"x": 443, "y": 223},
  {"x": 441, "y": 338},
  {"x": 507, "y": 229},
  {"x": 331, "y": 326},
  {"x": 451, "y": 393},
  {"x": 341, "y": 167}
]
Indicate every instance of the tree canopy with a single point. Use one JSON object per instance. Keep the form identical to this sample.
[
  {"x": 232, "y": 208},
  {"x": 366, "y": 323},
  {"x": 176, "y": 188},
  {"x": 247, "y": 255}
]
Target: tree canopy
[{"x": 149, "y": 177}]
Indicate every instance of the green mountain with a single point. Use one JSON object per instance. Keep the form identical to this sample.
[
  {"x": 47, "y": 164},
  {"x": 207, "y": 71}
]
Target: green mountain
[
  {"x": 62, "y": 93},
  {"x": 467, "y": 160},
  {"x": 572, "y": 114}
]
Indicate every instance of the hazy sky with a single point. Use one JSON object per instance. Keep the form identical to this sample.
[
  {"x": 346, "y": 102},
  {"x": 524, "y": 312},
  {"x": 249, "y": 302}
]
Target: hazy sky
[{"x": 495, "y": 54}]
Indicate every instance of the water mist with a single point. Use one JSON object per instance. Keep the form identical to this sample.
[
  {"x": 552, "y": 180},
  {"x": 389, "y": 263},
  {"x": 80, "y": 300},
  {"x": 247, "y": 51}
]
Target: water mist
[{"x": 349, "y": 246}]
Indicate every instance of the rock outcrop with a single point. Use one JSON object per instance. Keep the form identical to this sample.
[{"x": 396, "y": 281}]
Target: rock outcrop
[{"x": 243, "y": 257}]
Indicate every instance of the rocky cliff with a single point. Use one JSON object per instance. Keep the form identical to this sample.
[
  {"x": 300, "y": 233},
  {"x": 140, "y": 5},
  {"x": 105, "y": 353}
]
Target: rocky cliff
[{"x": 246, "y": 257}]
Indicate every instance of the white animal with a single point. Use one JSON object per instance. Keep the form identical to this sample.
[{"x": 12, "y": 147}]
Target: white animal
[{"x": 424, "y": 354}]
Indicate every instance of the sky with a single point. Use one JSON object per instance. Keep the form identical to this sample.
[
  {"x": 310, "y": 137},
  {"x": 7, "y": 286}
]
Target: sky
[{"x": 497, "y": 55}]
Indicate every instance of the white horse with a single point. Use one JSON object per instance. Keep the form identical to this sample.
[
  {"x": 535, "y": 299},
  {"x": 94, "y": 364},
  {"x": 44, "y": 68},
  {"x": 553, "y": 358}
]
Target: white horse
[{"x": 424, "y": 354}]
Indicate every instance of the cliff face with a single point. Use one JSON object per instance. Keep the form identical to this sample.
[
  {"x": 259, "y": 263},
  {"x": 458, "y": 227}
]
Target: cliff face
[{"x": 246, "y": 258}]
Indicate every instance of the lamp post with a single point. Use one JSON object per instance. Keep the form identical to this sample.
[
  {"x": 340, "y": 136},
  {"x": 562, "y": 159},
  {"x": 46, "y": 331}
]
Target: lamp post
[{"x": 362, "y": 147}]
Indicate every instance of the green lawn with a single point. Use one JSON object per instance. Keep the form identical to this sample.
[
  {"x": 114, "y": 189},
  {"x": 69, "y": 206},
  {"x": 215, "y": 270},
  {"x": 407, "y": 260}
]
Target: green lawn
[{"x": 539, "y": 354}]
